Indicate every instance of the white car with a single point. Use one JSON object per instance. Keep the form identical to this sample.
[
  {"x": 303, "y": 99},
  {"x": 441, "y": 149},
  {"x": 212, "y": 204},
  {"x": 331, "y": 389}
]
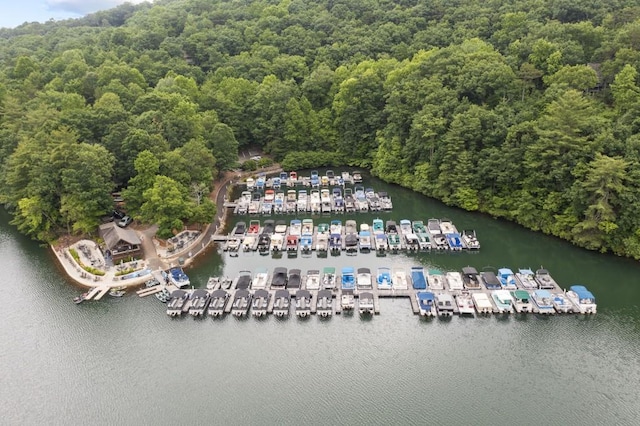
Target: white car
[{"x": 125, "y": 221}]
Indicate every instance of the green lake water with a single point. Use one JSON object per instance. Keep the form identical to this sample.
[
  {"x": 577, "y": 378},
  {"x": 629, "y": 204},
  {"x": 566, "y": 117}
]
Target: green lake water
[{"x": 124, "y": 361}]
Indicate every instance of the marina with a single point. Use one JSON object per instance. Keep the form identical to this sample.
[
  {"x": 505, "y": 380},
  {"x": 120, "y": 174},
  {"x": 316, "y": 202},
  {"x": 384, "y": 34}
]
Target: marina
[
  {"x": 329, "y": 193},
  {"x": 436, "y": 294},
  {"x": 303, "y": 236}
]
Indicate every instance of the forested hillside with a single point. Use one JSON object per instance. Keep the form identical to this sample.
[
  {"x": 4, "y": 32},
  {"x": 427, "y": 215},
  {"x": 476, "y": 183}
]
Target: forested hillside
[{"x": 524, "y": 109}]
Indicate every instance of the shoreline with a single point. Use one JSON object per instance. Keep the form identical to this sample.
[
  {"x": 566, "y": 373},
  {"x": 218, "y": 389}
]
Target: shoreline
[{"x": 189, "y": 254}]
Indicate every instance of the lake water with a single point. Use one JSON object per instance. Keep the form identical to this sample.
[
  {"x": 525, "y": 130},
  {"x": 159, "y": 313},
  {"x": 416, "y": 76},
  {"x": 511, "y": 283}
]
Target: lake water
[{"x": 124, "y": 361}]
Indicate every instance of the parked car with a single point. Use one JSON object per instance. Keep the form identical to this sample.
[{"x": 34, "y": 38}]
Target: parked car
[{"x": 125, "y": 221}]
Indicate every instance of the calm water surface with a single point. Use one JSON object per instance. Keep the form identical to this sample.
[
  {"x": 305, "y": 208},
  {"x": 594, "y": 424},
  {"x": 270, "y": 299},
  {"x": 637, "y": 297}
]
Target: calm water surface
[{"x": 124, "y": 361}]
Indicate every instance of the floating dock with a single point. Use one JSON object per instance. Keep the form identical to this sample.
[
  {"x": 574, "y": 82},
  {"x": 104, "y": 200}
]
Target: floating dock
[{"x": 378, "y": 293}]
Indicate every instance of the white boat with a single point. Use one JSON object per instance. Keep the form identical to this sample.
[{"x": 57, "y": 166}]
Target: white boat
[
  {"x": 435, "y": 279},
  {"x": 277, "y": 241},
  {"x": 312, "y": 281},
  {"x": 314, "y": 201},
  {"x": 322, "y": 243},
  {"x": 177, "y": 277},
  {"x": 324, "y": 304},
  {"x": 303, "y": 201},
  {"x": 561, "y": 303},
  {"x": 444, "y": 304},
  {"x": 348, "y": 302},
  {"x": 260, "y": 278},
  {"x": 543, "y": 301},
  {"x": 325, "y": 201},
  {"x": 364, "y": 279},
  {"x": 526, "y": 279},
  {"x": 522, "y": 301},
  {"x": 233, "y": 245},
  {"x": 260, "y": 303},
  {"x": 249, "y": 243},
  {"x": 503, "y": 301},
  {"x": 482, "y": 303},
  {"x": 279, "y": 203},
  {"x": 582, "y": 299},
  {"x": 365, "y": 303},
  {"x": 295, "y": 228},
  {"x": 454, "y": 279},
  {"x": 464, "y": 301},
  {"x": 545, "y": 281},
  {"x": 400, "y": 281},
  {"x": 307, "y": 227},
  {"x": 470, "y": 240},
  {"x": 281, "y": 228}
]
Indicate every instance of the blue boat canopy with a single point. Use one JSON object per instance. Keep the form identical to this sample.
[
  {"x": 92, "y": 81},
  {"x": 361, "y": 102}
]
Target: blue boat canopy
[
  {"x": 543, "y": 293},
  {"x": 426, "y": 296},
  {"x": 582, "y": 292}
]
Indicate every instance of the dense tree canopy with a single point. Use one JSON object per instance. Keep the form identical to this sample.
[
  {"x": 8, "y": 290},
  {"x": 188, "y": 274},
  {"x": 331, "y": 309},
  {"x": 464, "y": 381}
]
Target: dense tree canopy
[{"x": 526, "y": 109}]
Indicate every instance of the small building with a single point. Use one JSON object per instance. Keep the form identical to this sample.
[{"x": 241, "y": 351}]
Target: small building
[{"x": 120, "y": 242}]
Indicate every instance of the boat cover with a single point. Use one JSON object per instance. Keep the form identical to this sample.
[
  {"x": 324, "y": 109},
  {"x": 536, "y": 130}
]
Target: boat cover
[
  {"x": 582, "y": 292},
  {"x": 419, "y": 281}
]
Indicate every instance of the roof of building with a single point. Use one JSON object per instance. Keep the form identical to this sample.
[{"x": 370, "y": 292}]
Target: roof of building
[{"x": 112, "y": 234}]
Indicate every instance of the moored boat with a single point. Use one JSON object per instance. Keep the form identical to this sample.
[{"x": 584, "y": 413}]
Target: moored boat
[
  {"x": 241, "y": 303},
  {"x": 444, "y": 304},
  {"x": 217, "y": 303},
  {"x": 465, "y": 304},
  {"x": 200, "y": 299},
  {"x": 364, "y": 238},
  {"x": 294, "y": 281},
  {"x": 482, "y": 303},
  {"x": 177, "y": 277},
  {"x": 365, "y": 303},
  {"x": 503, "y": 301},
  {"x": 348, "y": 280},
  {"x": 329, "y": 278},
  {"x": 312, "y": 281},
  {"x": 177, "y": 303},
  {"x": 400, "y": 279},
  {"x": 260, "y": 278},
  {"x": 383, "y": 278},
  {"x": 507, "y": 279},
  {"x": 279, "y": 278},
  {"x": 522, "y": 301},
  {"x": 526, "y": 279},
  {"x": 470, "y": 278},
  {"x": 426, "y": 303},
  {"x": 454, "y": 279},
  {"x": 277, "y": 242},
  {"x": 490, "y": 280},
  {"x": 282, "y": 303},
  {"x": 418, "y": 279},
  {"x": 545, "y": 281},
  {"x": 303, "y": 303},
  {"x": 243, "y": 280},
  {"x": 470, "y": 239},
  {"x": 561, "y": 303},
  {"x": 260, "y": 303},
  {"x": 324, "y": 303},
  {"x": 543, "y": 302},
  {"x": 435, "y": 279},
  {"x": 582, "y": 299},
  {"x": 385, "y": 201},
  {"x": 364, "y": 279},
  {"x": 292, "y": 244}
]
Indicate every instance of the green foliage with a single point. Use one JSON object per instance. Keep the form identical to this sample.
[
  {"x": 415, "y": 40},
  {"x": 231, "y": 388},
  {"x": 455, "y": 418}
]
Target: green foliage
[
  {"x": 309, "y": 159},
  {"x": 527, "y": 111}
]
